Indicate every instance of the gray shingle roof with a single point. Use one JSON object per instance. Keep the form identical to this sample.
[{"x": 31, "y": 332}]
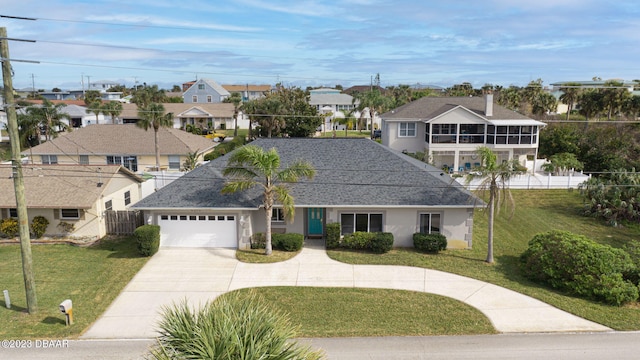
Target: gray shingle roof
[
  {"x": 349, "y": 172},
  {"x": 429, "y": 107}
]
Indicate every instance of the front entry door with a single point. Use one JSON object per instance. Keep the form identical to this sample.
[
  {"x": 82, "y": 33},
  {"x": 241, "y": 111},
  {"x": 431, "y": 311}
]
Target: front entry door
[{"x": 314, "y": 220}]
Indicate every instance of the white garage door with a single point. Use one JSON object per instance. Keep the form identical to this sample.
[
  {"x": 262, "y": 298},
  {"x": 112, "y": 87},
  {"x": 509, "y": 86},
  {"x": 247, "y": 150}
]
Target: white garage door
[{"x": 198, "y": 230}]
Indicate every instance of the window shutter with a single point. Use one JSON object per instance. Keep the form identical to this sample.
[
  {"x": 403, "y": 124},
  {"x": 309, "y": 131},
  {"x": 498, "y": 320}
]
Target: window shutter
[
  {"x": 56, "y": 214},
  {"x": 81, "y": 214},
  {"x": 4, "y": 214}
]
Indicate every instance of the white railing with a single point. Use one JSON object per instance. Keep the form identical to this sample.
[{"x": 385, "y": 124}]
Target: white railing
[{"x": 536, "y": 181}]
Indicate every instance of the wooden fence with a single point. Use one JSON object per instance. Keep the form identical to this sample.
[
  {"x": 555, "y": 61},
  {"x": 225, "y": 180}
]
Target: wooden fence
[{"x": 123, "y": 222}]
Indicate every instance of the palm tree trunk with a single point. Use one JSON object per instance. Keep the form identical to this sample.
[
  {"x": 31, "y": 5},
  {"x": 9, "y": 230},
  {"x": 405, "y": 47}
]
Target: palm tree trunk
[
  {"x": 267, "y": 242},
  {"x": 492, "y": 199},
  {"x": 235, "y": 123},
  {"x": 155, "y": 139}
]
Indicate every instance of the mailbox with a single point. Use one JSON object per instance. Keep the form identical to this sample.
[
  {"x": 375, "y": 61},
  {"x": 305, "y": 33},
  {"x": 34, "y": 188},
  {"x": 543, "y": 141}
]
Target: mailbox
[{"x": 66, "y": 307}]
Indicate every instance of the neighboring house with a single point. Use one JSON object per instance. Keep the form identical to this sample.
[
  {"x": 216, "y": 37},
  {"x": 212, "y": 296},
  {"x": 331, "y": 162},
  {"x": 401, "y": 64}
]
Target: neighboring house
[
  {"x": 126, "y": 145},
  {"x": 249, "y": 92},
  {"x": 332, "y": 103},
  {"x": 205, "y": 91},
  {"x": 73, "y": 198},
  {"x": 204, "y": 116},
  {"x": 450, "y": 129},
  {"x": 359, "y": 183}
]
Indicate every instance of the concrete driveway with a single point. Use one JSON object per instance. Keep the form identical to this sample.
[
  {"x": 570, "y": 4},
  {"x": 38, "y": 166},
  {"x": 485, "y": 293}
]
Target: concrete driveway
[{"x": 200, "y": 275}]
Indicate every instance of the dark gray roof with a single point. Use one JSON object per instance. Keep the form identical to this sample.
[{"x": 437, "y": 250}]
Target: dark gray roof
[
  {"x": 427, "y": 108},
  {"x": 349, "y": 172}
]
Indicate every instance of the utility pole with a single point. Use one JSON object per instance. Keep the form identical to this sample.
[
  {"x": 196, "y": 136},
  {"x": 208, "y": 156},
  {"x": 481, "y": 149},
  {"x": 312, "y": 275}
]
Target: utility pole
[{"x": 18, "y": 181}]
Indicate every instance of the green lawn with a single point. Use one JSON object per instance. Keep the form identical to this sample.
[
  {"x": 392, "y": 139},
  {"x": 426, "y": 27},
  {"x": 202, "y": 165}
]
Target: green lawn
[
  {"x": 348, "y": 312},
  {"x": 91, "y": 277},
  {"x": 257, "y": 256},
  {"x": 536, "y": 211},
  {"x": 350, "y": 133}
]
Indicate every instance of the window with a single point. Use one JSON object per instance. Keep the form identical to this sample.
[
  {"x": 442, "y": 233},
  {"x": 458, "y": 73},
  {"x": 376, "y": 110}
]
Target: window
[
  {"x": 108, "y": 205},
  {"x": 194, "y": 98},
  {"x": 49, "y": 159},
  {"x": 127, "y": 198},
  {"x": 472, "y": 133},
  {"x": 407, "y": 129},
  {"x": 174, "y": 162},
  {"x": 128, "y": 161},
  {"x": 69, "y": 214},
  {"x": 277, "y": 215},
  {"x": 429, "y": 223},
  {"x": 209, "y": 98},
  {"x": 83, "y": 159},
  {"x": 200, "y": 86},
  {"x": 360, "y": 222},
  {"x": 13, "y": 213}
]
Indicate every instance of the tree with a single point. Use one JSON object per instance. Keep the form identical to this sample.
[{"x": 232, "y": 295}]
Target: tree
[
  {"x": 146, "y": 95},
  {"x": 570, "y": 95},
  {"x": 252, "y": 166},
  {"x": 49, "y": 116},
  {"x": 614, "y": 96},
  {"x": 191, "y": 161},
  {"x": 236, "y": 100},
  {"x": 113, "y": 109},
  {"x": 591, "y": 103},
  {"x": 95, "y": 107},
  {"x": 374, "y": 101},
  {"x": 495, "y": 177},
  {"x": 153, "y": 116}
]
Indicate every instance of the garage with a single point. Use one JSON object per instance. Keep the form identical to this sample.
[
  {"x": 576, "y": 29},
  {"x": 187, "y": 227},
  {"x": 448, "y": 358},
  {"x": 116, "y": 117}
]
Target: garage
[{"x": 202, "y": 230}]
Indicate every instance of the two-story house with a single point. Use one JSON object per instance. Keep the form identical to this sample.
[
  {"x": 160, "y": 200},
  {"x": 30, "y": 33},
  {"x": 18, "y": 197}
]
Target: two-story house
[
  {"x": 205, "y": 91},
  {"x": 450, "y": 129},
  {"x": 332, "y": 103}
]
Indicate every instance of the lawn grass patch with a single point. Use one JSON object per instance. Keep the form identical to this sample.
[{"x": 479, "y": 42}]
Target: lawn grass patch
[
  {"x": 348, "y": 312},
  {"x": 536, "y": 211},
  {"x": 91, "y": 277},
  {"x": 257, "y": 256}
]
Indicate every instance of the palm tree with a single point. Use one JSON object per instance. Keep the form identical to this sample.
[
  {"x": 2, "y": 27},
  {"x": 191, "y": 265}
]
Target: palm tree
[
  {"x": 495, "y": 177},
  {"x": 95, "y": 107},
  {"x": 570, "y": 95},
  {"x": 252, "y": 166},
  {"x": 374, "y": 101},
  {"x": 236, "y": 100},
  {"x": 113, "y": 109},
  {"x": 50, "y": 117},
  {"x": 153, "y": 116}
]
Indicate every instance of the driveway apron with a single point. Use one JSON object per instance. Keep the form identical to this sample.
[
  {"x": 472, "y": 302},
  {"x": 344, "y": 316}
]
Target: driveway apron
[{"x": 199, "y": 275}]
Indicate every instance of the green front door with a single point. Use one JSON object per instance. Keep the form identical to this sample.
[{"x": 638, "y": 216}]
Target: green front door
[{"x": 314, "y": 221}]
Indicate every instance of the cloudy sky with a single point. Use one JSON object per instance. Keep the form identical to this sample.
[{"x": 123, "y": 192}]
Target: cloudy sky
[{"x": 322, "y": 42}]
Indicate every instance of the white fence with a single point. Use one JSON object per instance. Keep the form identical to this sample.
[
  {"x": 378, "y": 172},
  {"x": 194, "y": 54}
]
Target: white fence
[{"x": 536, "y": 181}]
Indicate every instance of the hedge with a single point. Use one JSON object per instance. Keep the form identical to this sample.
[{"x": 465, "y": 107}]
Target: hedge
[
  {"x": 333, "y": 235},
  {"x": 39, "y": 226},
  {"x": 284, "y": 242},
  {"x": 581, "y": 266},
  {"x": 430, "y": 243},
  {"x": 9, "y": 227},
  {"x": 148, "y": 239}
]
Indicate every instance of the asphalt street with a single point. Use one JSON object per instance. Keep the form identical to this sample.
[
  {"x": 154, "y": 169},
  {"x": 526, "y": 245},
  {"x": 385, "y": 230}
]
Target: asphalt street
[{"x": 565, "y": 346}]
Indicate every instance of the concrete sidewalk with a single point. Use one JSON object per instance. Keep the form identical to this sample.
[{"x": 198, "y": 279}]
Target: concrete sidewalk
[{"x": 200, "y": 275}]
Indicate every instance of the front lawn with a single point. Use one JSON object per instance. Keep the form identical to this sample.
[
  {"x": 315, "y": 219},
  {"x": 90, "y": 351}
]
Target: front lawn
[
  {"x": 91, "y": 277},
  {"x": 536, "y": 211},
  {"x": 348, "y": 312}
]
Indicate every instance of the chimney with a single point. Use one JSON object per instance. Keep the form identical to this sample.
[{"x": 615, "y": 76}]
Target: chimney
[{"x": 488, "y": 104}]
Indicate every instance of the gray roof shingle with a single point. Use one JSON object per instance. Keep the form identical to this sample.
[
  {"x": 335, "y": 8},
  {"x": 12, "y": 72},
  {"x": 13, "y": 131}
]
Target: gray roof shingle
[
  {"x": 349, "y": 172},
  {"x": 429, "y": 107}
]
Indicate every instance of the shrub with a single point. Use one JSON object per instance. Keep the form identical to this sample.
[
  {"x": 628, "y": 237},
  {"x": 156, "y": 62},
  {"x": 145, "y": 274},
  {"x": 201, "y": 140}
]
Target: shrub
[
  {"x": 381, "y": 243},
  {"x": 333, "y": 235},
  {"x": 633, "y": 249},
  {"x": 233, "y": 326},
  {"x": 9, "y": 227},
  {"x": 39, "y": 226},
  {"x": 258, "y": 241},
  {"x": 148, "y": 239},
  {"x": 358, "y": 240},
  {"x": 581, "y": 266},
  {"x": 287, "y": 242},
  {"x": 430, "y": 243}
]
